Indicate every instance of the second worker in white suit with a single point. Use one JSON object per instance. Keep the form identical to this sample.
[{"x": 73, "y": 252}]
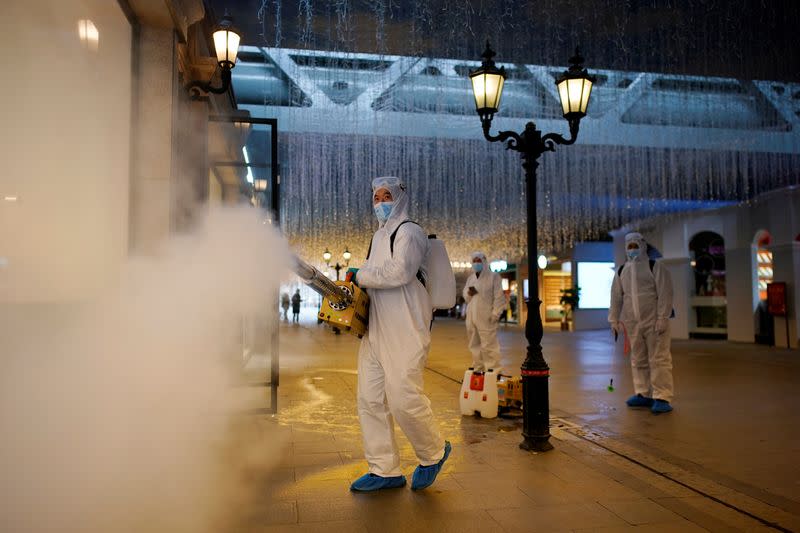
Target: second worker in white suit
[
  {"x": 485, "y": 302},
  {"x": 641, "y": 306}
]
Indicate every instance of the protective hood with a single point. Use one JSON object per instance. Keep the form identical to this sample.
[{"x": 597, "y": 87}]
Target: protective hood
[
  {"x": 399, "y": 196},
  {"x": 638, "y": 239},
  {"x": 482, "y": 256}
]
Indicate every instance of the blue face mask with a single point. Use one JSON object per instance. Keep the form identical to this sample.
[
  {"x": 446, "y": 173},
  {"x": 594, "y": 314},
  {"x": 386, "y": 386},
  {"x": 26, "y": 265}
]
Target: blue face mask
[
  {"x": 383, "y": 210},
  {"x": 477, "y": 267},
  {"x": 633, "y": 254}
]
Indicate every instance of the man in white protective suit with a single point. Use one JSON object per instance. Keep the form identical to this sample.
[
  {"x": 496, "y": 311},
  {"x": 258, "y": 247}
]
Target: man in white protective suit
[
  {"x": 393, "y": 353},
  {"x": 486, "y": 301},
  {"x": 641, "y": 306}
]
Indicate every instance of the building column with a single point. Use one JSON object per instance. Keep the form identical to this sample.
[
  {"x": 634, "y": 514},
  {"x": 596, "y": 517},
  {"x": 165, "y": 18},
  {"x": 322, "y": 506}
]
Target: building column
[
  {"x": 681, "y": 273},
  {"x": 786, "y": 267},
  {"x": 739, "y": 285},
  {"x": 189, "y": 185},
  {"x": 153, "y": 135}
]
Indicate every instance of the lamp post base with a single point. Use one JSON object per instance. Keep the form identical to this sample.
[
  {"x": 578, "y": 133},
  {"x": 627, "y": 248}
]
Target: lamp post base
[
  {"x": 536, "y": 444},
  {"x": 535, "y": 385}
]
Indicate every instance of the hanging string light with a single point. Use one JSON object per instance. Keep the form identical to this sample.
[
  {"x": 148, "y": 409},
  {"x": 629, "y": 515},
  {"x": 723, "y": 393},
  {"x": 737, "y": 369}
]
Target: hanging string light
[{"x": 467, "y": 191}]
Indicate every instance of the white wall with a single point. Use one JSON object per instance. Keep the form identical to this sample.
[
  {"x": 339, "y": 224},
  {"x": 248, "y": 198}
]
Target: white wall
[
  {"x": 786, "y": 263},
  {"x": 682, "y": 279},
  {"x": 590, "y": 319},
  {"x": 778, "y": 212},
  {"x": 65, "y": 149}
]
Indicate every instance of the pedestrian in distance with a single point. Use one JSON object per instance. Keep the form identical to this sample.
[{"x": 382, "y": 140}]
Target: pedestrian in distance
[
  {"x": 285, "y": 306},
  {"x": 296, "y": 299}
]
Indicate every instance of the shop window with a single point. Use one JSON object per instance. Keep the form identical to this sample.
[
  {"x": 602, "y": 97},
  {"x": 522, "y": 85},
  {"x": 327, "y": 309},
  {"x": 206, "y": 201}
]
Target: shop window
[
  {"x": 508, "y": 279},
  {"x": 763, "y": 262},
  {"x": 711, "y": 319},
  {"x": 764, "y": 272},
  {"x": 707, "y": 254},
  {"x": 553, "y": 282}
]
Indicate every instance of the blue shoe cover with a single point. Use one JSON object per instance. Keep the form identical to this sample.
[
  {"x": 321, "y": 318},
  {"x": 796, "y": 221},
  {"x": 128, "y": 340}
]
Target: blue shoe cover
[
  {"x": 637, "y": 400},
  {"x": 660, "y": 406},
  {"x": 424, "y": 476},
  {"x": 372, "y": 482}
]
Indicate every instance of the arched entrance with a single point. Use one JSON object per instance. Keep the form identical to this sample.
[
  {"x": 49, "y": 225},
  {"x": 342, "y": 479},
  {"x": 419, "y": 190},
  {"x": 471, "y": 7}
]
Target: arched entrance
[{"x": 708, "y": 301}]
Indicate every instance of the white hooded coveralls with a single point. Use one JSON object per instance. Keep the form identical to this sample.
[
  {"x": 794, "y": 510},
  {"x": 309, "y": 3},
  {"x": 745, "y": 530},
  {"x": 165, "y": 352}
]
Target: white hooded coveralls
[
  {"x": 393, "y": 353},
  {"x": 639, "y": 298},
  {"x": 483, "y": 312}
]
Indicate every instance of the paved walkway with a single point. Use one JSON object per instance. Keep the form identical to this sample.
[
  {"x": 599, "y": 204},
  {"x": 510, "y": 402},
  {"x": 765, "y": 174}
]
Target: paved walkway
[{"x": 724, "y": 460}]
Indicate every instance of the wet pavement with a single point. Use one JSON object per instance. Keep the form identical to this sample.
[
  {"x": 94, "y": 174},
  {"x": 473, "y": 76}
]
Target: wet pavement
[{"x": 724, "y": 460}]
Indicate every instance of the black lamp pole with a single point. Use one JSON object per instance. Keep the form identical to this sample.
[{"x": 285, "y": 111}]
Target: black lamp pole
[{"x": 535, "y": 372}]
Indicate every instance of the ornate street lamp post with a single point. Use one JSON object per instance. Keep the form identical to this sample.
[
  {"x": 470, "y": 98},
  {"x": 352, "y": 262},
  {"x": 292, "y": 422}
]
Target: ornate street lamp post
[
  {"x": 346, "y": 255},
  {"x": 327, "y": 256},
  {"x": 574, "y": 89}
]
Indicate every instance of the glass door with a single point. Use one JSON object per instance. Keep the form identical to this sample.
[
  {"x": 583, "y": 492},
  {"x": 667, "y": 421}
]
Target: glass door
[{"x": 246, "y": 171}]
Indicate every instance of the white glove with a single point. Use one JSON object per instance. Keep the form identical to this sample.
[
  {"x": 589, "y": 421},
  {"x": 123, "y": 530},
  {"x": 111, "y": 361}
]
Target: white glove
[
  {"x": 616, "y": 327},
  {"x": 661, "y": 325}
]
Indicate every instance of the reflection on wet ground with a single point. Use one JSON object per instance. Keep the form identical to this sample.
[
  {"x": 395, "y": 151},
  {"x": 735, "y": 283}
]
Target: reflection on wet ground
[
  {"x": 730, "y": 417},
  {"x": 612, "y": 467}
]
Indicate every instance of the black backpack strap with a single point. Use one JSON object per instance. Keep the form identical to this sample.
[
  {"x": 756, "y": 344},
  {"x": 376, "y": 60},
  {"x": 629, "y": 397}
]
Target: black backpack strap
[
  {"x": 391, "y": 238},
  {"x": 394, "y": 234},
  {"x": 619, "y": 270}
]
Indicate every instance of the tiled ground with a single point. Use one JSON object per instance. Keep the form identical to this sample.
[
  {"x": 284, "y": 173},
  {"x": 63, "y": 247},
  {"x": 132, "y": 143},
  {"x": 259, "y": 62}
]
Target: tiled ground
[{"x": 596, "y": 478}]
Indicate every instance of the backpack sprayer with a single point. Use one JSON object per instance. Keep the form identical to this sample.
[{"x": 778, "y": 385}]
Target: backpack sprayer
[
  {"x": 489, "y": 394},
  {"x": 344, "y": 304}
]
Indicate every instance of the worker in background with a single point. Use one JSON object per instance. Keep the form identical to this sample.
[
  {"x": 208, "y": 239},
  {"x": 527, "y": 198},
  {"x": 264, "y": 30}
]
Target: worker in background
[
  {"x": 641, "y": 305},
  {"x": 486, "y": 301},
  {"x": 392, "y": 356}
]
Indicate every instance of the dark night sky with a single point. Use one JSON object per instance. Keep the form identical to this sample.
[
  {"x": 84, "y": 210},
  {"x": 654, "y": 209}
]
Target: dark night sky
[{"x": 748, "y": 39}]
